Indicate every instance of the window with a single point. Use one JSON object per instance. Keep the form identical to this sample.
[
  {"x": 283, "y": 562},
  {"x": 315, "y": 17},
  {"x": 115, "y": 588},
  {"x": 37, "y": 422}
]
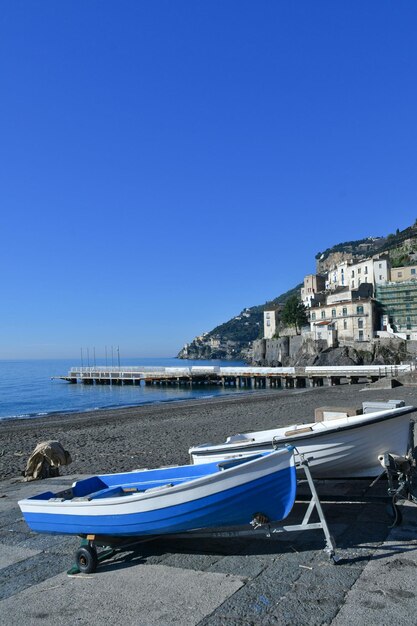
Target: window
[
  {"x": 333, "y": 312},
  {"x": 353, "y": 273},
  {"x": 400, "y": 274},
  {"x": 413, "y": 270},
  {"x": 344, "y": 311},
  {"x": 360, "y": 323},
  {"x": 268, "y": 322},
  {"x": 313, "y": 316},
  {"x": 344, "y": 325},
  {"x": 359, "y": 270},
  {"x": 323, "y": 314},
  {"x": 359, "y": 310},
  {"x": 361, "y": 335},
  {"x": 380, "y": 265},
  {"x": 366, "y": 269}
]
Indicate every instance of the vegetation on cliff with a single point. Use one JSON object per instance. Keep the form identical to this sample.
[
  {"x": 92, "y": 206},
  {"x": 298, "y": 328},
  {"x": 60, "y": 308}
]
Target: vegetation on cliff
[
  {"x": 400, "y": 246},
  {"x": 294, "y": 313}
]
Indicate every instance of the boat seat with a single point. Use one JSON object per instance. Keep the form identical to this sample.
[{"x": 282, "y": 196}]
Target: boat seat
[
  {"x": 112, "y": 492},
  {"x": 108, "y": 492}
]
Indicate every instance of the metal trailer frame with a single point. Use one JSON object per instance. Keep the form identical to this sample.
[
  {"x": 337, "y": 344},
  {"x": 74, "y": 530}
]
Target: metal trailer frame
[
  {"x": 87, "y": 557},
  {"x": 400, "y": 473}
]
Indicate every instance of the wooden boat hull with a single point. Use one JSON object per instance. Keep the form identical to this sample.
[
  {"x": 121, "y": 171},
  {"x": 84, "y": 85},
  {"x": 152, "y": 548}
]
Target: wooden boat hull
[
  {"x": 170, "y": 500},
  {"x": 347, "y": 447}
]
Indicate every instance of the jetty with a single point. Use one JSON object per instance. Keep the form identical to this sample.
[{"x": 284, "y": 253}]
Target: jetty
[{"x": 245, "y": 377}]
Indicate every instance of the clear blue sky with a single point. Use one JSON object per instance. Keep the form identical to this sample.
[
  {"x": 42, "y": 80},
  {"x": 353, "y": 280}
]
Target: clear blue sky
[{"x": 164, "y": 164}]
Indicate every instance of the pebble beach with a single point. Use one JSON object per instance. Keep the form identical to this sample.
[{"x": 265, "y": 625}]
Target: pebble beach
[{"x": 154, "y": 435}]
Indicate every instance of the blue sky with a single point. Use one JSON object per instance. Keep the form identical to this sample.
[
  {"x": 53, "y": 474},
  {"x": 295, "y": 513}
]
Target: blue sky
[{"x": 165, "y": 164}]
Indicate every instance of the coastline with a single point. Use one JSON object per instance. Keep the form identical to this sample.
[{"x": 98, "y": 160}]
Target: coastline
[{"x": 152, "y": 435}]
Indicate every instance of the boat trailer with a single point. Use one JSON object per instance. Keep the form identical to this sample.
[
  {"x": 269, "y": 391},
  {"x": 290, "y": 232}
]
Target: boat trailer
[
  {"x": 399, "y": 472},
  {"x": 88, "y": 557}
]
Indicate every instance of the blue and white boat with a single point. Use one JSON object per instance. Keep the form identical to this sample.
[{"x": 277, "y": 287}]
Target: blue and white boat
[{"x": 169, "y": 500}]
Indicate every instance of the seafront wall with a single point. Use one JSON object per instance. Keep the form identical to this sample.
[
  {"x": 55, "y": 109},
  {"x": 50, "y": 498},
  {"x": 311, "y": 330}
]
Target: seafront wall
[
  {"x": 274, "y": 352},
  {"x": 301, "y": 350}
]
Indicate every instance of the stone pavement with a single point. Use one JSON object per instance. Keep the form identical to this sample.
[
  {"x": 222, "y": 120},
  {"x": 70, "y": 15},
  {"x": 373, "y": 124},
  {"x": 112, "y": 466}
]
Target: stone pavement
[{"x": 287, "y": 579}]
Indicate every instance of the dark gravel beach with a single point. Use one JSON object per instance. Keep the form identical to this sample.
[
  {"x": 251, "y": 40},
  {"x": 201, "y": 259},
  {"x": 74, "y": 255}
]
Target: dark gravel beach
[{"x": 160, "y": 434}]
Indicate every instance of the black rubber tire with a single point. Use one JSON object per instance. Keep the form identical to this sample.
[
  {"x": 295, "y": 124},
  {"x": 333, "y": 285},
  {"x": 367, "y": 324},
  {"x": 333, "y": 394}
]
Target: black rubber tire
[{"x": 86, "y": 559}]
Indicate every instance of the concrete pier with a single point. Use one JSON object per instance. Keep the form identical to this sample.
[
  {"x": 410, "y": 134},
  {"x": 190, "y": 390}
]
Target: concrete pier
[{"x": 239, "y": 377}]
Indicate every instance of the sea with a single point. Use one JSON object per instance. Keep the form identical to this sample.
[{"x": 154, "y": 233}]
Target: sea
[{"x": 28, "y": 389}]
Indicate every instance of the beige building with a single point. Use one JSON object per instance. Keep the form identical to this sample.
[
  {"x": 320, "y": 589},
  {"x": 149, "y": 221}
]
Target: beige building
[
  {"x": 351, "y": 319},
  {"x": 403, "y": 274}
]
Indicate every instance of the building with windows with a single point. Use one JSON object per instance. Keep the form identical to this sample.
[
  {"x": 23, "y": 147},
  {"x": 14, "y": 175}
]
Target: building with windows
[
  {"x": 351, "y": 318},
  {"x": 347, "y": 274},
  {"x": 398, "y": 302},
  {"x": 403, "y": 274},
  {"x": 382, "y": 270}
]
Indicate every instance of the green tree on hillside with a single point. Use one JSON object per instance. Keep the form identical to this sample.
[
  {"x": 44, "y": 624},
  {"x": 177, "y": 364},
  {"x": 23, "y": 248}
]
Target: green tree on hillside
[{"x": 294, "y": 314}]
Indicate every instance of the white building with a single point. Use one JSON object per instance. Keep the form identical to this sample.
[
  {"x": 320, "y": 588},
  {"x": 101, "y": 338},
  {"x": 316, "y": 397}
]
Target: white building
[{"x": 375, "y": 271}]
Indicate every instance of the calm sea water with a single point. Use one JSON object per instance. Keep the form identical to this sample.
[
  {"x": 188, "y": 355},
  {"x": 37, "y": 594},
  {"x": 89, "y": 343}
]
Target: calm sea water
[{"x": 27, "y": 391}]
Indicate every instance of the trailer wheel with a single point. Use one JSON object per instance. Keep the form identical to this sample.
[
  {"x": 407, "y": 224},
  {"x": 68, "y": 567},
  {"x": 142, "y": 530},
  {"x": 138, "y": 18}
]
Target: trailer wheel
[{"x": 86, "y": 559}]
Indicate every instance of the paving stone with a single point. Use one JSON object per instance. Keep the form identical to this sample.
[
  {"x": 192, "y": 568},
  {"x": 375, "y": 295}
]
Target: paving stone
[
  {"x": 145, "y": 595},
  {"x": 9, "y": 555}
]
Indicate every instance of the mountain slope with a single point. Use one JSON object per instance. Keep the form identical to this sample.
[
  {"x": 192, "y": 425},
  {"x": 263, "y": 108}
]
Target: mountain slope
[{"x": 231, "y": 339}]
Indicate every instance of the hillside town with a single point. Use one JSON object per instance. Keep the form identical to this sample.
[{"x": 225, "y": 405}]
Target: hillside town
[
  {"x": 356, "y": 305},
  {"x": 359, "y": 306},
  {"x": 358, "y": 301}
]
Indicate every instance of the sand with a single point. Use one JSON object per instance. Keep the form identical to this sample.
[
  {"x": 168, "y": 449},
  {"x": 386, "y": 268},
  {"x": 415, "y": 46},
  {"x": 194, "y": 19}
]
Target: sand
[{"x": 153, "y": 435}]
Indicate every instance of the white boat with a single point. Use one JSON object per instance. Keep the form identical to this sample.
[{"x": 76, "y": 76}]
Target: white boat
[{"x": 346, "y": 447}]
